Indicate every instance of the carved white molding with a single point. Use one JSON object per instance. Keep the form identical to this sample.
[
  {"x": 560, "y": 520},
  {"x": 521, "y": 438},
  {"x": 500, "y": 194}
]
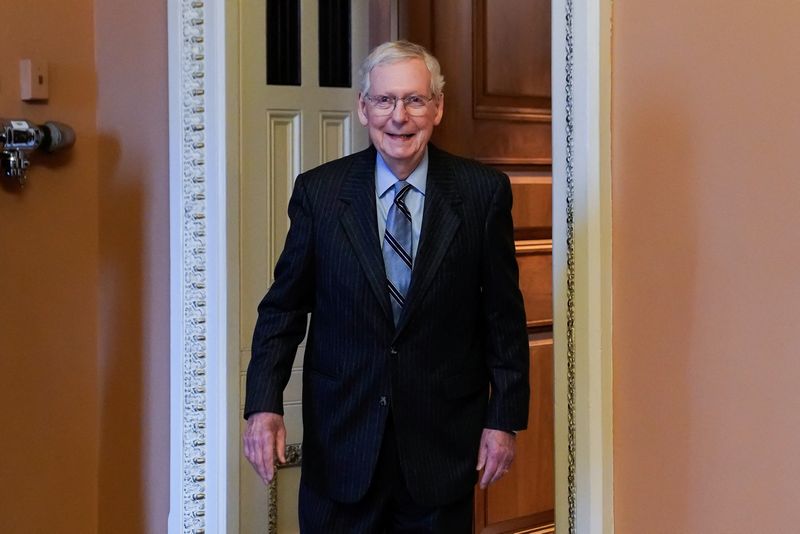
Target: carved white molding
[
  {"x": 192, "y": 301},
  {"x": 197, "y": 228}
]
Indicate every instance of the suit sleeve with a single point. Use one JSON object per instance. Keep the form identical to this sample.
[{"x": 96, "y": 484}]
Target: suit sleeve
[
  {"x": 283, "y": 312},
  {"x": 504, "y": 318}
]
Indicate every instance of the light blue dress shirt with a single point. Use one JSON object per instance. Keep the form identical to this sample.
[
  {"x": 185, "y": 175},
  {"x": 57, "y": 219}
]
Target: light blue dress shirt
[{"x": 415, "y": 198}]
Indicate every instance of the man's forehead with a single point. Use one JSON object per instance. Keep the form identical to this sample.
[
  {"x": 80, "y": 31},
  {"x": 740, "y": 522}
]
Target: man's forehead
[{"x": 403, "y": 72}]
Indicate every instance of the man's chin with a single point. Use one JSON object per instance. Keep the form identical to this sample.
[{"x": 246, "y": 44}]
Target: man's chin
[{"x": 400, "y": 156}]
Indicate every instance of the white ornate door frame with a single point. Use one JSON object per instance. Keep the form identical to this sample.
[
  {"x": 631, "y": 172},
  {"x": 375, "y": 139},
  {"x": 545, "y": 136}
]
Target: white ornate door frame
[
  {"x": 202, "y": 491},
  {"x": 581, "y": 44},
  {"x": 203, "y": 487}
]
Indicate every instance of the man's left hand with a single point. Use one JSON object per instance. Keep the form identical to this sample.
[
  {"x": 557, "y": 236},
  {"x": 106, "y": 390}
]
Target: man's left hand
[{"x": 495, "y": 455}]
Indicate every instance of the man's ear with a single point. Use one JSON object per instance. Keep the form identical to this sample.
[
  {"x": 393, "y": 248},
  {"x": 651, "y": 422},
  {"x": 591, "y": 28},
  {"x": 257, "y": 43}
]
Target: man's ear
[
  {"x": 362, "y": 111},
  {"x": 439, "y": 110}
]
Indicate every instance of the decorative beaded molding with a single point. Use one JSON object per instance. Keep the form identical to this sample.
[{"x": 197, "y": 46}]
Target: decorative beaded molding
[
  {"x": 294, "y": 458},
  {"x": 194, "y": 258},
  {"x": 572, "y": 493}
]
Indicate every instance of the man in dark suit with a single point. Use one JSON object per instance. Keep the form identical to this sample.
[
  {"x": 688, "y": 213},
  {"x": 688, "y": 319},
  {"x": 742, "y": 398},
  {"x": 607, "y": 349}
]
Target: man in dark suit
[{"x": 416, "y": 365}]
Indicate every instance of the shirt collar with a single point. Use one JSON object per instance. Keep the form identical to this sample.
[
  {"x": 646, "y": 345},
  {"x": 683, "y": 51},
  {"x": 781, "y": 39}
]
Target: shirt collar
[{"x": 385, "y": 179}]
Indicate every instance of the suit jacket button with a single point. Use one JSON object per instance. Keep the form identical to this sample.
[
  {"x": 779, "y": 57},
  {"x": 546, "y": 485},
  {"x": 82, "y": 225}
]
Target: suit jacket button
[
  {"x": 393, "y": 351},
  {"x": 384, "y": 401}
]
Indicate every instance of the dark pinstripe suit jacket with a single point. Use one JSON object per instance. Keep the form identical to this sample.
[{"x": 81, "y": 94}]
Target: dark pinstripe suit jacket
[{"x": 463, "y": 328}]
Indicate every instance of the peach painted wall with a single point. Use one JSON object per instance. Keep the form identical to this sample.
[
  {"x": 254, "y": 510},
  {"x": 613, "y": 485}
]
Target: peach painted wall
[
  {"x": 48, "y": 284},
  {"x": 84, "y": 288},
  {"x": 133, "y": 184},
  {"x": 706, "y": 218}
]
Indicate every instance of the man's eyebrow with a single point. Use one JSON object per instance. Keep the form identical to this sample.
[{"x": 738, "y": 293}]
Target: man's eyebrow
[{"x": 413, "y": 93}]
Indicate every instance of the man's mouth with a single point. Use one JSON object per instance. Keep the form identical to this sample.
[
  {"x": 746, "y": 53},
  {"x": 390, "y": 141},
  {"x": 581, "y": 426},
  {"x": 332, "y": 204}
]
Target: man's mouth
[{"x": 400, "y": 136}]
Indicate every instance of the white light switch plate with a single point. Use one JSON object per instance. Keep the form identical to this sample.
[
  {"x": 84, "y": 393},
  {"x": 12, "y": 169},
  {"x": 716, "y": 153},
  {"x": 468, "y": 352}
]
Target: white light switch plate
[{"x": 34, "y": 81}]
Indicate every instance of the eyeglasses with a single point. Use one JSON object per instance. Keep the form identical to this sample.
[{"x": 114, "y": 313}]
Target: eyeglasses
[{"x": 385, "y": 104}]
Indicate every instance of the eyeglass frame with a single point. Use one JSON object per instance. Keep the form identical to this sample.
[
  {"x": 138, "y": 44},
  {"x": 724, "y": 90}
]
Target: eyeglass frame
[{"x": 410, "y": 110}]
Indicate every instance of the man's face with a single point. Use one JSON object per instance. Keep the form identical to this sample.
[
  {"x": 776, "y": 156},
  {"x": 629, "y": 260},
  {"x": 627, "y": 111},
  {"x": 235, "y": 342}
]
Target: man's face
[{"x": 400, "y": 137}]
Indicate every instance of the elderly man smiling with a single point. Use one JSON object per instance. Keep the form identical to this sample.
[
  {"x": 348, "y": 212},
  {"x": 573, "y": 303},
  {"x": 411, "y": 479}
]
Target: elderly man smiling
[{"x": 416, "y": 364}]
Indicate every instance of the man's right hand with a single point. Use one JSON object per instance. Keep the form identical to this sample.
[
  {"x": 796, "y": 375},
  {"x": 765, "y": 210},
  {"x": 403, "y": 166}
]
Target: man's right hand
[{"x": 264, "y": 436}]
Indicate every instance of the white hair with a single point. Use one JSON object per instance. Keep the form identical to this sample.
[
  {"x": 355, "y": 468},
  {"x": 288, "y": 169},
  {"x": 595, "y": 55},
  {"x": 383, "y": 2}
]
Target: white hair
[{"x": 394, "y": 51}]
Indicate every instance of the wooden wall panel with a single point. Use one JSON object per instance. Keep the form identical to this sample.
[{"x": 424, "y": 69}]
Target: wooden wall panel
[
  {"x": 511, "y": 59},
  {"x": 535, "y": 259},
  {"x": 525, "y": 497},
  {"x": 526, "y": 71},
  {"x": 416, "y": 22},
  {"x": 533, "y": 205}
]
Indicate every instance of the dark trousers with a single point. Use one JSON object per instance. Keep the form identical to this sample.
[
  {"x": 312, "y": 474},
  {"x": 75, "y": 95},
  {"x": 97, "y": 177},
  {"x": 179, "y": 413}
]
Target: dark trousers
[{"x": 387, "y": 507}]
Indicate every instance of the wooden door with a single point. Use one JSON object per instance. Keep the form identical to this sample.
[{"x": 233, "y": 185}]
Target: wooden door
[
  {"x": 298, "y": 67},
  {"x": 495, "y": 56}
]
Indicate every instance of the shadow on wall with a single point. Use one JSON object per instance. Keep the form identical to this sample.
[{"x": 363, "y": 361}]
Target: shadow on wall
[
  {"x": 655, "y": 250},
  {"x": 121, "y": 495}
]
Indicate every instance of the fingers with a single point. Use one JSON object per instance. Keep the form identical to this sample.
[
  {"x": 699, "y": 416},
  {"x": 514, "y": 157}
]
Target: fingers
[
  {"x": 481, "y": 454},
  {"x": 499, "y": 454},
  {"x": 264, "y": 432},
  {"x": 496, "y": 468},
  {"x": 497, "y": 464},
  {"x": 267, "y": 457},
  {"x": 490, "y": 472},
  {"x": 255, "y": 450},
  {"x": 281, "y": 445}
]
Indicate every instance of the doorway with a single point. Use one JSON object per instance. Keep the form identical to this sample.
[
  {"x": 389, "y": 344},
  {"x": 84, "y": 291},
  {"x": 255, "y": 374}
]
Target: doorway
[{"x": 204, "y": 175}]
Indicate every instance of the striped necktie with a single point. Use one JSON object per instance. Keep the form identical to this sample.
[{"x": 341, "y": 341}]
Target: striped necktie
[{"x": 397, "y": 249}]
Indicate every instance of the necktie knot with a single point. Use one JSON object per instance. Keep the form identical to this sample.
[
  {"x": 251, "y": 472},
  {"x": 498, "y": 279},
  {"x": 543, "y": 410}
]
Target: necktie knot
[{"x": 401, "y": 189}]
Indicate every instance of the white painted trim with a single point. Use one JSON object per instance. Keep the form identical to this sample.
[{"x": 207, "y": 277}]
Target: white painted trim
[
  {"x": 199, "y": 413},
  {"x": 219, "y": 368},
  {"x": 175, "y": 274},
  {"x": 231, "y": 143},
  {"x": 176, "y": 270},
  {"x": 590, "y": 175}
]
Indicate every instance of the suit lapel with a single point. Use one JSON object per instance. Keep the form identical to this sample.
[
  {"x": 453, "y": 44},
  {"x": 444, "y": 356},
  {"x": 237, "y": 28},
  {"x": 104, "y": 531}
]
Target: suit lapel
[
  {"x": 359, "y": 219},
  {"x": 440, "y": 220}
]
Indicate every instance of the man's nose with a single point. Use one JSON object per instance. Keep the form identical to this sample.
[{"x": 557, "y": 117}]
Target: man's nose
[{"x": 399, "y": 112}]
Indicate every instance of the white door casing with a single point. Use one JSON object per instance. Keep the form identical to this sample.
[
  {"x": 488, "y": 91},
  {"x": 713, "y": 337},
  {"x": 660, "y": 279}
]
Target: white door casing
[
  {"x": 581, "y": 89},
  {"x": 204, "y": 93}
]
